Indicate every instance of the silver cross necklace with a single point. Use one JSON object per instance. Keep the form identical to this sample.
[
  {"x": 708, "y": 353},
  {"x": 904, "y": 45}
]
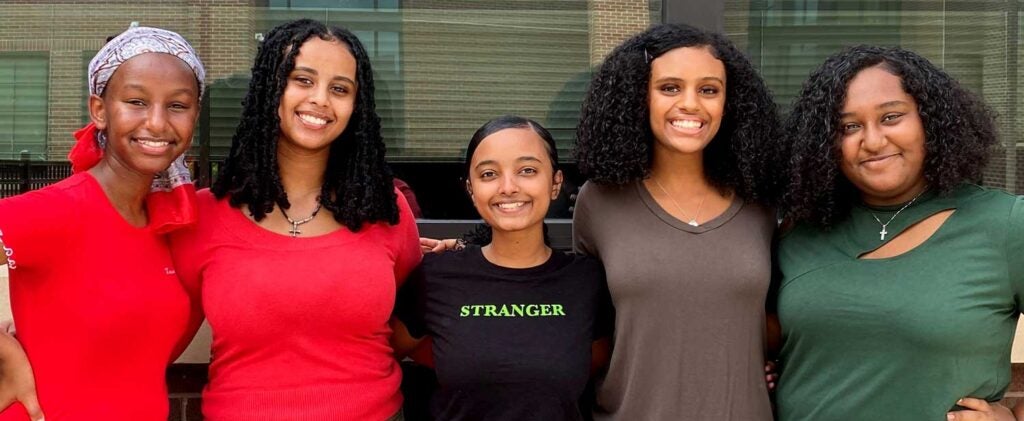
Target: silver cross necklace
[
  {"x": 883, "y": 232},
  {"x": 295, "y": 224}
]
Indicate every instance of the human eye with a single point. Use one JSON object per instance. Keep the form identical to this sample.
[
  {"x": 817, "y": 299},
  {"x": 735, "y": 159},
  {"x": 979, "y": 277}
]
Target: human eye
[
  {"x": 302, "y": 80},
  {"x": 136, "y": 102},
  {"x": 849, "y": 127},
  {"x": 339, "y": 89},
  {"x": 487, "y": 174},
  {"x": 709, "y": 90},
  {"x": 669, "y": 88},
  {"x": 528, "y": 171},
  {"x": 891, "y": 117}
]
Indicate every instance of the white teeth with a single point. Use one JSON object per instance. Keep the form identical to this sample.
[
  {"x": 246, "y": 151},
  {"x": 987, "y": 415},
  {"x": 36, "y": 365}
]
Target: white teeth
[
  {"x": 510, "y": 206},
  {"x": 152, "y": 143},
  {"x": 312, "y": 120},
  {"x": 687, "y": 124}
]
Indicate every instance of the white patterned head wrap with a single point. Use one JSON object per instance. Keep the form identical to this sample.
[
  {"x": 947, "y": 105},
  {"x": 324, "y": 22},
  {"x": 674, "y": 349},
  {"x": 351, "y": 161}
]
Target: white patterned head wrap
[{"x": 141, "y": 40}]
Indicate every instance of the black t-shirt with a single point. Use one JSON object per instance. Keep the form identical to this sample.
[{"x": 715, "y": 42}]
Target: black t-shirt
[{"x": 509, "y": 344}]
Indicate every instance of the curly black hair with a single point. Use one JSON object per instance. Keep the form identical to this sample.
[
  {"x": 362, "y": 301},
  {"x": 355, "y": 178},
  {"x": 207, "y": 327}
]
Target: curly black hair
[
  {"x": 959, "y": 129},
  {"x": 357, "y": 181},
  {"x": 614, "y": 141}
]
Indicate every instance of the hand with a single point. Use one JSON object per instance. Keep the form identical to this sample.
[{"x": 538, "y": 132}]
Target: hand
[
  {"x": 17, "y": 383},
  {"x": 771, "y": 376},
  {"x": 980, "y": 410},
  {"x": 430, "y": 245}
]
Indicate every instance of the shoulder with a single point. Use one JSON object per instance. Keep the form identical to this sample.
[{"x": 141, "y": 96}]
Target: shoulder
[
  {"x": 63, "y": 196},
  {"x": 971, "y": 197}
]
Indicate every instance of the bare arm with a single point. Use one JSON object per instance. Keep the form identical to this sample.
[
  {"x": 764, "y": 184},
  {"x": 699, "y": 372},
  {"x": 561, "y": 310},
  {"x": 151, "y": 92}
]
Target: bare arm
[{"x": 17, "y": 383}]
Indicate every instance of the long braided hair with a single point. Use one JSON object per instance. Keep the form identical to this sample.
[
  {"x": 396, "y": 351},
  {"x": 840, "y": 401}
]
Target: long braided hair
[{"x": 357, "y": 181}]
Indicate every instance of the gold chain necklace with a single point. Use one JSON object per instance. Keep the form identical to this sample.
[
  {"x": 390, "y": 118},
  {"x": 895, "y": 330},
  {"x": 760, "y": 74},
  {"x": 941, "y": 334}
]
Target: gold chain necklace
[{"x": 693, "y": 221}]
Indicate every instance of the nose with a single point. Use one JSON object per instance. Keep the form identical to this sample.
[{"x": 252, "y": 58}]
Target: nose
[
  {"x": 508, "y": 185},
  {"x": 156, "y": 119},
  {"x": 687, "y": 101},
  {"x": 318, "y": 95},
  {"x": 874, "y": 139}
]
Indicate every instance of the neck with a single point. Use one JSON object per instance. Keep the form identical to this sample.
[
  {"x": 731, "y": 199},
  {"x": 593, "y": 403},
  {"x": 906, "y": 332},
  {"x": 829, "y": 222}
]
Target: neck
[
  {"x": 896, "y": 200},
  {"x": 518, "y": 249},
  {"x": 302, "y": 172},
  {"x": 680, "y": 173},
  {"x": 126, "y": 189}
]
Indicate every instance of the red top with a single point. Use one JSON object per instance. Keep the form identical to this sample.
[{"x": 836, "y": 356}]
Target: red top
[
  {"x": 96, "y": 301},
  {"x": 300, "y": 325}
]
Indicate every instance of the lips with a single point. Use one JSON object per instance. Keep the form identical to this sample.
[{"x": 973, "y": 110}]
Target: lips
[
  {"x": 313, "y": 120},
  {"x": 154, "y": 146},
  {"x": 877, "y": 159},
  {"x": 687, "y": 124},
  {"x": 509, "y": 207}
]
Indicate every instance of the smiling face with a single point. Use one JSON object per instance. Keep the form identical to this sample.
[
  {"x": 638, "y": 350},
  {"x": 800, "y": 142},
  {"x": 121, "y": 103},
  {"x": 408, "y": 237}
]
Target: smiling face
[
  {"x": 882, "y": 138},
  {"x": 319, "y": 97},
  {"x": 686, "y": 99},
  {"x": 512, "y": 181},
  {"x": 148, "y": 112}
]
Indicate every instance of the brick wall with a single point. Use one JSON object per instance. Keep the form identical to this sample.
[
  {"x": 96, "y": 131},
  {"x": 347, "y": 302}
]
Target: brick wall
[{"x": 613, "y": 21}]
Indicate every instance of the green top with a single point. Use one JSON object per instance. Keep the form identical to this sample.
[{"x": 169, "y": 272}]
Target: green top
[{"x": 901, "y": 338}]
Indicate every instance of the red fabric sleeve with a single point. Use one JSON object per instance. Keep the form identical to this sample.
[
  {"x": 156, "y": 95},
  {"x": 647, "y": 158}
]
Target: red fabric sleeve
[{"x": 35, "y": 226}]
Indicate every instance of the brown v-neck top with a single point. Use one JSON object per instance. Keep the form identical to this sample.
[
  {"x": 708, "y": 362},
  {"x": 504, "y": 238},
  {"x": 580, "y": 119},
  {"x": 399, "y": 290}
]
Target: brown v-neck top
[{"x": 689, "y": 304}]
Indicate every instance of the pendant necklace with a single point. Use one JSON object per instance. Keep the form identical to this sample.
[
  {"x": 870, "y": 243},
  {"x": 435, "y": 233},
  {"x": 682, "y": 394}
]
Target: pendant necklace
[
  {"x": 883, "y": 232},
  {"x": 693, "y": 221},
  {"x": 295, "y": 224}
]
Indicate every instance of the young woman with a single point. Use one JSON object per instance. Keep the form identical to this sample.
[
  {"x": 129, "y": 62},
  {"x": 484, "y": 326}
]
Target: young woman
[
  {"x": 302, "y": 242},
  {"x": 99, "y": 310},
  {"x": 512, "y": 322},
  {"x": 677, "y": 138},
  {"x": 902, "y": 281}
]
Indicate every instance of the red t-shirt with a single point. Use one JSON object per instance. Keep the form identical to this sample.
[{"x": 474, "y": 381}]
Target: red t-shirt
[
  {"x": 300, "y": 325},
  {"x": 98, "y": 307}
]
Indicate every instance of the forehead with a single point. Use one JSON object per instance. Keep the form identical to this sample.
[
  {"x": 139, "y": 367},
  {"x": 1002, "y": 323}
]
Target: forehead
[
  {"x": 688, "y": 62},
  {"x": 873, "y": 86},
  {"x": 328, "y": 55},
  {"x": 511, "y": 144},
  {"x": 158, "y": 70}
]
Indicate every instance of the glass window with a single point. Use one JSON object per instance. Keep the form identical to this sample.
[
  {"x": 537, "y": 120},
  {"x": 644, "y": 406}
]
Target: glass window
[{"x": 24, "y": 86}]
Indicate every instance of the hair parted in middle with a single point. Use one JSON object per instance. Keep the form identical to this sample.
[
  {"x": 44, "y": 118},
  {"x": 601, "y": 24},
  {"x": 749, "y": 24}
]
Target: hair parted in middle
[
  {"x": 959, "y": 131},
  {"x": 614, "y": 141},
  {"x": 357, "y": 181}
]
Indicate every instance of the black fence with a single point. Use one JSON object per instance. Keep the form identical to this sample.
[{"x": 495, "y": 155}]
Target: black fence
[{"x": 20, "y": 176}]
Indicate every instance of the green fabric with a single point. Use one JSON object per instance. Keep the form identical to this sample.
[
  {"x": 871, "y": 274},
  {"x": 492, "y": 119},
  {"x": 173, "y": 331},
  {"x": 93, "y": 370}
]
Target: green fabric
[{"x": 901, "y": 338}]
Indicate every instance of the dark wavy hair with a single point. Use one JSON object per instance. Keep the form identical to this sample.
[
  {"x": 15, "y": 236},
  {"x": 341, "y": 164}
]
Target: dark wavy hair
[
  {"x": 481, "y": 234},
  {"x": 614, "y": 142},
  {"x": 357, "y": 181},
  {"x": 959, "y": 131}
]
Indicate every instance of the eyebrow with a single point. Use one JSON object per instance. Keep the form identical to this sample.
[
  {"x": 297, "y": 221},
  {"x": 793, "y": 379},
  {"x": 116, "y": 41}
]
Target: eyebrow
[
  {"x": 142, "y": 87},
  {"x": 311, "y": 70},
  {"x": 879, "y": 107},
  {"x": 703, "y": 79},
  {"x": 526, "y": 158}
]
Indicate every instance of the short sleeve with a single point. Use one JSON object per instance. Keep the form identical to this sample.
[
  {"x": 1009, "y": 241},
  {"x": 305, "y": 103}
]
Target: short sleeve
[
  {"x": 406, "y": 242},
  {"x": 189, "y": 245},
  {"x": 410, "y": 306},
  {"x": 582, "y": 236},
  {"x": 36, "y": 227},
  {"x": 1015, "y": 250}
]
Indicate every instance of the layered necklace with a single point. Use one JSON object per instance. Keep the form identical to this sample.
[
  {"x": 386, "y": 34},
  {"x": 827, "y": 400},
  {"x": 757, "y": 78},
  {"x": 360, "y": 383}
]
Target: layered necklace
[
  {"x": 690, "y": 221},
  {"x": 295, "y": 223},
  {"x": 882, "y": 233}
]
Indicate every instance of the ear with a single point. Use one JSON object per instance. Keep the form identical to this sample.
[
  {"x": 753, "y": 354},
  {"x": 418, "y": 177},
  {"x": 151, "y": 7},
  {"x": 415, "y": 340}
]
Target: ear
[
  {"x": 557, "y": 186},
  {"x": 469, "y": 188},
  {"x": 97, "y": 112}
]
